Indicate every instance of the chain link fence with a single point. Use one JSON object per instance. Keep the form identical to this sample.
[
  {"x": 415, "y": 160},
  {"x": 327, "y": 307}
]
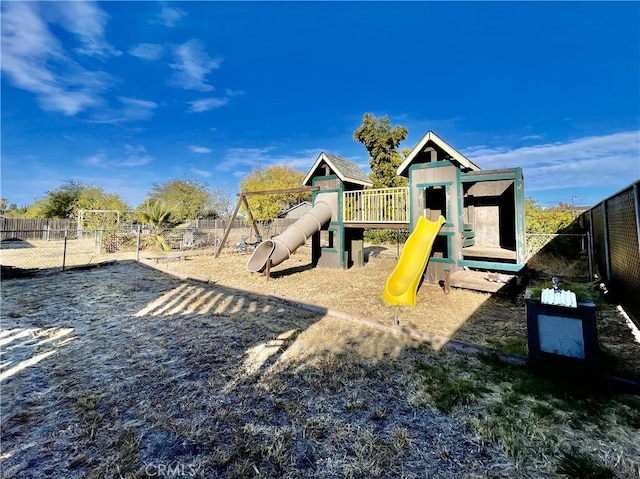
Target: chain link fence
[
  {"x": 56, "y": 250},
  {"x": 565, "y": 256},
  {"x": 614, "y": 225}
]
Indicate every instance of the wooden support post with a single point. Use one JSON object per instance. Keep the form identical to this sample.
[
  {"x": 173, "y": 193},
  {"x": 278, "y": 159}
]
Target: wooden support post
[
  {"x": 447, "y": 281},
  {"x": 267, "y": 271},
  {"x": 229, "y": 226},
  {"x": 256, "y": 231}
]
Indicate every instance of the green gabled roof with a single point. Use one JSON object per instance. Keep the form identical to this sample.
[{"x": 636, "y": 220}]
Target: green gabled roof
[{"x": 346, "y": 170}]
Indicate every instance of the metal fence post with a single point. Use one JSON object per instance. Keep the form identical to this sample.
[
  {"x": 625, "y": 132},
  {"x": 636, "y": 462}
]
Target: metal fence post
[
  {"x": 64, "y": 250},
  {"x": 138, "y": 242},
  {"x": 636, "y": 207},
  {"x": 590, "y": 255},
  {"x": 607, "y": 246}
]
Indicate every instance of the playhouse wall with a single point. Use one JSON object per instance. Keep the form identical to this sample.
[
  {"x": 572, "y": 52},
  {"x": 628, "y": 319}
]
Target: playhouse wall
[
  {"x": 326, "y": 245},
  {"x": 444, "y": 177}
]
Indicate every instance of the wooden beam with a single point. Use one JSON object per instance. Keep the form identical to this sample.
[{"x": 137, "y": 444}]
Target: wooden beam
[
  {"x": 302, "y": 189},
  {"x": 253, "y": 221},
  {"x": 228, "y": 229}
]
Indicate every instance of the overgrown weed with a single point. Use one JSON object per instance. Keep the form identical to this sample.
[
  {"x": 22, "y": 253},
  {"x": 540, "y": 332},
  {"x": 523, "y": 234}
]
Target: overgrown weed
[{"x": 536, "y": 412}]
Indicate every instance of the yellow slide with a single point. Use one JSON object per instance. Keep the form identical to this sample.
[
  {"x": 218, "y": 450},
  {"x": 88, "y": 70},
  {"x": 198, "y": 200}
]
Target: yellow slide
[{"x": 402, "y": 285}]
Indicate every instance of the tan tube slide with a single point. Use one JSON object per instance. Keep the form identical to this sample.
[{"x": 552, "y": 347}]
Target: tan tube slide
[{"x": 279, "y": 248}]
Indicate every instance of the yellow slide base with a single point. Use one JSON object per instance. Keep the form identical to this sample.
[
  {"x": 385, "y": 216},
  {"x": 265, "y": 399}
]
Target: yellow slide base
[{"x": 402, "y": 285}]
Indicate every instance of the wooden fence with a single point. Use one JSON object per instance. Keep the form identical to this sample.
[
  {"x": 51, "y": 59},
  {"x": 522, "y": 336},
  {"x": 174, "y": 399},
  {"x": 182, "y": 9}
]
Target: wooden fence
[{"x": 33, "y": 228}]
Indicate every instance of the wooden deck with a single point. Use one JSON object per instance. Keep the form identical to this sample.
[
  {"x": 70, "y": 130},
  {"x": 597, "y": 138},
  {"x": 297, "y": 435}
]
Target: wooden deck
[
  {"x": 492, "y": 252},
  {"x": 483, "y": 281}
]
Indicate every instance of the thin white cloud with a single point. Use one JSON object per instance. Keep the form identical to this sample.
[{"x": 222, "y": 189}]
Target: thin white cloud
[
  {"x": 133, "y": 155},
  {"x": 136, "y": 109},
  {"x": 136, "y": 155},
  {"x": 97, "y": 160},
  {"x": 532, "y": 137},
  {"x": 203, "y": 173},
  {"x": 147, "y": 51},
  {"x": 596, "y": 161},
  {"x": 231, "y": 93},
  {"x": 34, "y": 60},
  {"x": 241, "y": 161},
  {"x": 169, "y": 16},
  {"x": 87, "y": 22},
  {"x": 192, "y": 65},
  {"x": 200, "y": 149},
  {"x": 206, "y": 104},
  {"x": 128, "y": 109}
]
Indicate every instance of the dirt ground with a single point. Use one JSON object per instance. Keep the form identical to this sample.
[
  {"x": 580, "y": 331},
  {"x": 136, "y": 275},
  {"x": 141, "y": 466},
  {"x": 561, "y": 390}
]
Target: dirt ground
[
  {"x": 357, "y": 291},
  {"x": 493, "y": 321},
  {"x": 132, "y": 370}
]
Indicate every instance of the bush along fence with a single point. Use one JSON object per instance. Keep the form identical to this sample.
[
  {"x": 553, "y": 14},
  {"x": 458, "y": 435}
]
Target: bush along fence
[
  {"x": 564, "y": 255},
  {"x": 614, "y": 225}
]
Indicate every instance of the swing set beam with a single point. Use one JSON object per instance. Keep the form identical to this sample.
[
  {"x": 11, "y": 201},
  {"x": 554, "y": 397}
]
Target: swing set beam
[{"x": 242, "y": 199}]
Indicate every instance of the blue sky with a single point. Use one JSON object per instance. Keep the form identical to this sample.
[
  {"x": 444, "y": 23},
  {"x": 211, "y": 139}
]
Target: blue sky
[{"x": 123, "y": 95}]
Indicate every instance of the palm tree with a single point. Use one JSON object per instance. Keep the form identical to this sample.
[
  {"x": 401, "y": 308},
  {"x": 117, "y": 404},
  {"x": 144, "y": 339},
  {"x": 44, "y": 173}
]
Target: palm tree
[{"x": 159, "y": 216}]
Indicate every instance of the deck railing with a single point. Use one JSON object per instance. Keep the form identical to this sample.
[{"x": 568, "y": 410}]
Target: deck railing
[{"x": 383, "y": 205}]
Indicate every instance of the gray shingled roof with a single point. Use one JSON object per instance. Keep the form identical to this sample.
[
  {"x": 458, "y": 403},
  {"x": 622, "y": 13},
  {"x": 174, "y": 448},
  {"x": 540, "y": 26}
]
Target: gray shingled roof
[{"x": 346, "y": 170}]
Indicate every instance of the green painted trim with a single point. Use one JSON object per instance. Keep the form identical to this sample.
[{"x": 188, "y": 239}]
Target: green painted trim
[
  {"x": 442, "y": 183},
  {"x": 422, "y": 166},
  {"x": 441, "y": 260},
  {"x": 491, "y": 265},
  {"x": 447, "y": 193},
  {"x": 434, "y": 164},
  {"x": 337, "y": 228},
  {"x": 460, "y": 200},
  {"x": 521, "y": 245},
  {"x": 333, "y": 248},
  {"x": 491, "y": 175}
]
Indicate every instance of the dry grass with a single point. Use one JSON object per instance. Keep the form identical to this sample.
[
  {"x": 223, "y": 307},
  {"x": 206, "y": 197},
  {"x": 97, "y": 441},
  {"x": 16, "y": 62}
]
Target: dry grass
[{"x": 125, "y": 371}]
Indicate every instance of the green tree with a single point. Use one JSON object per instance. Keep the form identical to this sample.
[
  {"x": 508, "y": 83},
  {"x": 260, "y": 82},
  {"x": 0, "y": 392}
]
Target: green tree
[
  {"x": 279, "y": 177},
  {"x": 549, "y": 221},
  {"x": 72, "y": 196},
  {"x": 191, "y": 199},
  {"x": 112, "y": 208},
  {"x": 552, "y": 220},
  {"x": 63, "y": 201},
  {"x": 13, "y": 211},
  {"x": 382, "y": 141}
]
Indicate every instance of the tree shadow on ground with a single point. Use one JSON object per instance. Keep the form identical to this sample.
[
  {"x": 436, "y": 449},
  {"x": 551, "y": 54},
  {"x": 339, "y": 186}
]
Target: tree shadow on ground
[
  {"x": 14, "y": 243},
  {"x": 373, "y": 251}
]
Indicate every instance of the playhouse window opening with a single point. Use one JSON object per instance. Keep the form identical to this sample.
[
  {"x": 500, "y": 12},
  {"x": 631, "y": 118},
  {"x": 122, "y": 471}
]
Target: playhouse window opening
[
  {"x": 489, "y": 216},
  {"x": 326, "y": 238},
  {"x": 435, "y": 202},
  {"x": 440, "y": 247}
]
